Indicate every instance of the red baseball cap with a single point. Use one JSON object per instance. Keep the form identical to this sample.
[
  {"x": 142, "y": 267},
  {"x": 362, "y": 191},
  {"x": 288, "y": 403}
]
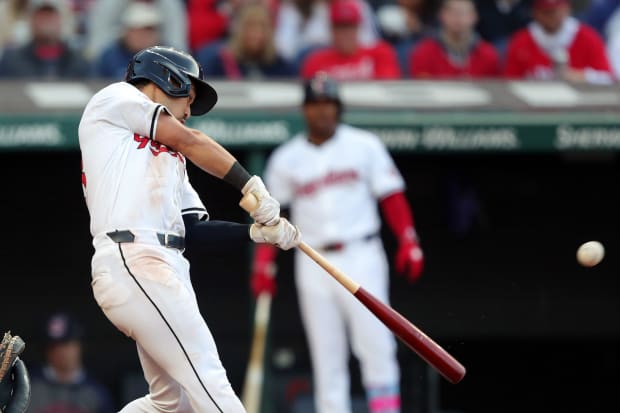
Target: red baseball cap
[
  {"x": 549, "y": 4},
  {"x": 345, "y": 12}
]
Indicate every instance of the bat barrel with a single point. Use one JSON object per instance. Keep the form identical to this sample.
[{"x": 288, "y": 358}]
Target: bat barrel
[{"x": 424, "y": 346}]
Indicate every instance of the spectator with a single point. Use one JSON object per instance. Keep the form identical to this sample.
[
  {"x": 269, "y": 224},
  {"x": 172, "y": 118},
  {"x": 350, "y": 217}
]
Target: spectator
[
  {"x": 250, "y": 53},
  {"x": 141, "y": 24},
  {"x": 613, "y": 42},
  {"x": 500, "y": 19},
  {"x": 598, "y": 13},
  {"x": 207, "y": 23},
  {"x": 14, "y": 29},
  {"x": 48, "y": 54},
  {"x": 404, "y": 24},
  {"x": 105, "y": 23},
  {"x": 15, "y": 23},
  {"x": 209, "y": 20},
  {"x": 304, "y": 25},
  {"x": 347, "y": 59},
  {"x": 456, "y": 50},
  {"x": 557, "y": 46},
  {"x": 81, "y": 10},
  {"x": 62, "y": 384}
]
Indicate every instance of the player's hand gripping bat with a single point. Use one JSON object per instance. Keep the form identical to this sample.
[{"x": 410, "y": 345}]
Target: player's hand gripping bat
[
  {"x": 253, "y": 383},
  {"x": 413, "y": 337}
]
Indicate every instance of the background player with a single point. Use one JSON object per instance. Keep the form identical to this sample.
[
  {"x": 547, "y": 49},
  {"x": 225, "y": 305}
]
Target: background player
[
  {"x": 331, "y": 177},
  {"x": 134, "y": 146}
]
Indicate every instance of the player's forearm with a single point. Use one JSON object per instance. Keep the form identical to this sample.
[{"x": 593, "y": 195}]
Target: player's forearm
[
  {"x": 398, "y": 216},
  {"x": 208, "y": 155}
]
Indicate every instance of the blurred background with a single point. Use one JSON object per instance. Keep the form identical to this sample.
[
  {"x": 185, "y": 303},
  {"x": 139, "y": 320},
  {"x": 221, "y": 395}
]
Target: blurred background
[{"x": 503, "y": 117}]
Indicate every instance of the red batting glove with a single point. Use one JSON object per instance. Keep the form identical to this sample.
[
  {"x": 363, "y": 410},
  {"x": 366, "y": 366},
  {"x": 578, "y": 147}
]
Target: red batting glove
[
  {"x": 264, "y": 271},
  {"x": 410, "y": 260}
]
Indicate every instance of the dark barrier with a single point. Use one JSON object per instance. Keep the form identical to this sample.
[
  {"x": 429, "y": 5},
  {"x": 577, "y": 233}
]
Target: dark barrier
[{"x": 502, "y": 290}]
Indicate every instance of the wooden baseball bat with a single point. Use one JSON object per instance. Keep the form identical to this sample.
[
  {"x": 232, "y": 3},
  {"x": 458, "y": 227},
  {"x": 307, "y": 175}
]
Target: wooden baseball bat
[
  {"x": 412, "y": 336},
  {"x": 253, "y": 382}
]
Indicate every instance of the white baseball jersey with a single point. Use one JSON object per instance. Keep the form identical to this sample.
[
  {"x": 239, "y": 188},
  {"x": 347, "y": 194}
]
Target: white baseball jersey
[
  {"x": 124, "y": 166},
  {"x": 332, "y": 188}
]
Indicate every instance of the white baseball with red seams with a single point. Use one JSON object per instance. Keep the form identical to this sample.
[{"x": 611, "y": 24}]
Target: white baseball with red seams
[
  {"x": 590, "y": 253},
  {"x": 143, "y": 287},
  {"x": 332, "y": 191}
]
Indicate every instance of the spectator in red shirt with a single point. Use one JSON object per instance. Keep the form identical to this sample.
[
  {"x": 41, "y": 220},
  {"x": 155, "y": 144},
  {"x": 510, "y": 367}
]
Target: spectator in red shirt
[
  {"x": 557, "y": 46},
  {"x": 456, "y": 51},
  {"x": 346, "y": 58},
  {"x": 207, "y": 23}
]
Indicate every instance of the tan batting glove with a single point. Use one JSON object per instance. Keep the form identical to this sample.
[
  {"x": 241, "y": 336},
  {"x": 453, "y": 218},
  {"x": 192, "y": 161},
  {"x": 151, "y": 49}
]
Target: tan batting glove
[
  {"x": 268, "y": 210},
  {"x": 283, "y": 235}
]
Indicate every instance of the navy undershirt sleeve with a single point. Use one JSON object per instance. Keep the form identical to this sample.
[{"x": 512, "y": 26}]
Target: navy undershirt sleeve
[{"x": 214, "y": 235}]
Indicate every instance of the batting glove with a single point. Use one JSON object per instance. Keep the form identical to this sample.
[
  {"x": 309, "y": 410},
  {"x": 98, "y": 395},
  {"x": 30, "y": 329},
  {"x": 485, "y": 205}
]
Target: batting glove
[
  {"x": 410, "y": 260},
  {"x": 268, "y": 210},
  {"x": 283, "y": 234}
]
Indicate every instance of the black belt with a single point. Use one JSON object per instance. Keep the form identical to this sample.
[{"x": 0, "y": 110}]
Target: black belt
[
  {"x": 339, "y": 246},
  {"x": 165, "y": 240}
]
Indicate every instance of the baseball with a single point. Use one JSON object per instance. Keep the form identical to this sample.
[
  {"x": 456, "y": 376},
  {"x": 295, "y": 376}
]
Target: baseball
[{"x": 590, "y": 253}]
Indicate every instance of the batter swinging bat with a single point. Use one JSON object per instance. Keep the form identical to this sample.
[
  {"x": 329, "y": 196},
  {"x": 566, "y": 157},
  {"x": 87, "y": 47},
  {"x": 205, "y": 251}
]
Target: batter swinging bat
[
  {"x": 253, "y": 383},
  {"x": 413, "y": 337}
]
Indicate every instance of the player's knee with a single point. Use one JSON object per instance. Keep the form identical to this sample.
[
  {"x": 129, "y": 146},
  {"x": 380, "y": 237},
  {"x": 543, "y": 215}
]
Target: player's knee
[{"x": 169, "y": 405}]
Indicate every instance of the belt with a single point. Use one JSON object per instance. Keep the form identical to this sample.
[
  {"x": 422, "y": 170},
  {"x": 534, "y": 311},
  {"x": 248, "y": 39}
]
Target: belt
[
  {"x": 339, "y": 246},
  {"x": 165, "y": 239}
]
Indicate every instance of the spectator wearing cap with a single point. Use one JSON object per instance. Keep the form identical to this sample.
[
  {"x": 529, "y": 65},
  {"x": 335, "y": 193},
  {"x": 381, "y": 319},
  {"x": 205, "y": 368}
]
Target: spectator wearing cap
[
  {"x": 557, "y": 46},
  {"x": 346, "y": 58},
  {"x": 62, "y": 384},
  {"x": 105, "y": 23},
  {"x": 250, "y": 52},
  {"x": 456, "y": 51},
  {"x": 141, "y": 29},
  {"x": 304, "y": 25},
  {"x": 48, "y": 54}
]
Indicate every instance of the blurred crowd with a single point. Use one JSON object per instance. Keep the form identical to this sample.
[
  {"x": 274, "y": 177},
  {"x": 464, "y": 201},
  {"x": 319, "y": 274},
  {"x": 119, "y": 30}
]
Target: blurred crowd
[{"x": 350, "y": 39}]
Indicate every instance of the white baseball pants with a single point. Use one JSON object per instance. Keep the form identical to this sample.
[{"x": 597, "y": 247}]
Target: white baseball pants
[
  {"x": 146, "y": 292},
  {"x": 329, "y": 312}
]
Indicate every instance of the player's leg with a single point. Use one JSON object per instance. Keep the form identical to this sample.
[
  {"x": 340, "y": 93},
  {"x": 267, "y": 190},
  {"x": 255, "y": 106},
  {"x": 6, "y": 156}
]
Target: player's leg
[
  {"x": 372, "y": 343},
  {"x": 152, "y": 301},
  {"x": 165, "y": 393},
  {"x": 326, "y": 335}
]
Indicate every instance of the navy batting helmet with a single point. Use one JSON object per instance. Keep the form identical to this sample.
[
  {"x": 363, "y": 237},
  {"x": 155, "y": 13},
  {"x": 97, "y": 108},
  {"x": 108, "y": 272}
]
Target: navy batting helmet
[
  {"x": 321, "y": 87},
  {"x": 173, "y": 71}
]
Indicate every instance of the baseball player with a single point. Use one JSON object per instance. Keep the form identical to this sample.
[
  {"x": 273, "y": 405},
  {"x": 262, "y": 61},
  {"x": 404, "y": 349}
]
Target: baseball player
[
  {"x": 331, "y": 178},
  {"x": 143, "y": 209}
]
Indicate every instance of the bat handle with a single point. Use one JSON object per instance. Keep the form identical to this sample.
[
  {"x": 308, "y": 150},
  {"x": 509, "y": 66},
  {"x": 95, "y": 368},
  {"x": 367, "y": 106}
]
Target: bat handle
[
  {"x": 340, "y": 276},
  {"x": 249, "y": 202}
]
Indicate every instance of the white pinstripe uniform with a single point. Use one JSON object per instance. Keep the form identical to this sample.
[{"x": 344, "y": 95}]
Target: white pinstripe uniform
[
  {"x": 131, "y": 182},
  {"x": 332, "y": 191}
]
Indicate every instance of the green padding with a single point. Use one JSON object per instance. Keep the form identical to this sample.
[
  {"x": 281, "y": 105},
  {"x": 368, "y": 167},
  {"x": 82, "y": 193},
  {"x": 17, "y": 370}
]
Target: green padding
[{"x": 401, "y": 131}]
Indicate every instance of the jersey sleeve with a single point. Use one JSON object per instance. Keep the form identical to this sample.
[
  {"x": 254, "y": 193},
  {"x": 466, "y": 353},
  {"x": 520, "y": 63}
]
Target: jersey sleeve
[
  {"x": 191, "y": 203},
  {"x": 277, "y": 180},
  {"x": 129, "y": 108},
  {"x": 385, "y": 179}
]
